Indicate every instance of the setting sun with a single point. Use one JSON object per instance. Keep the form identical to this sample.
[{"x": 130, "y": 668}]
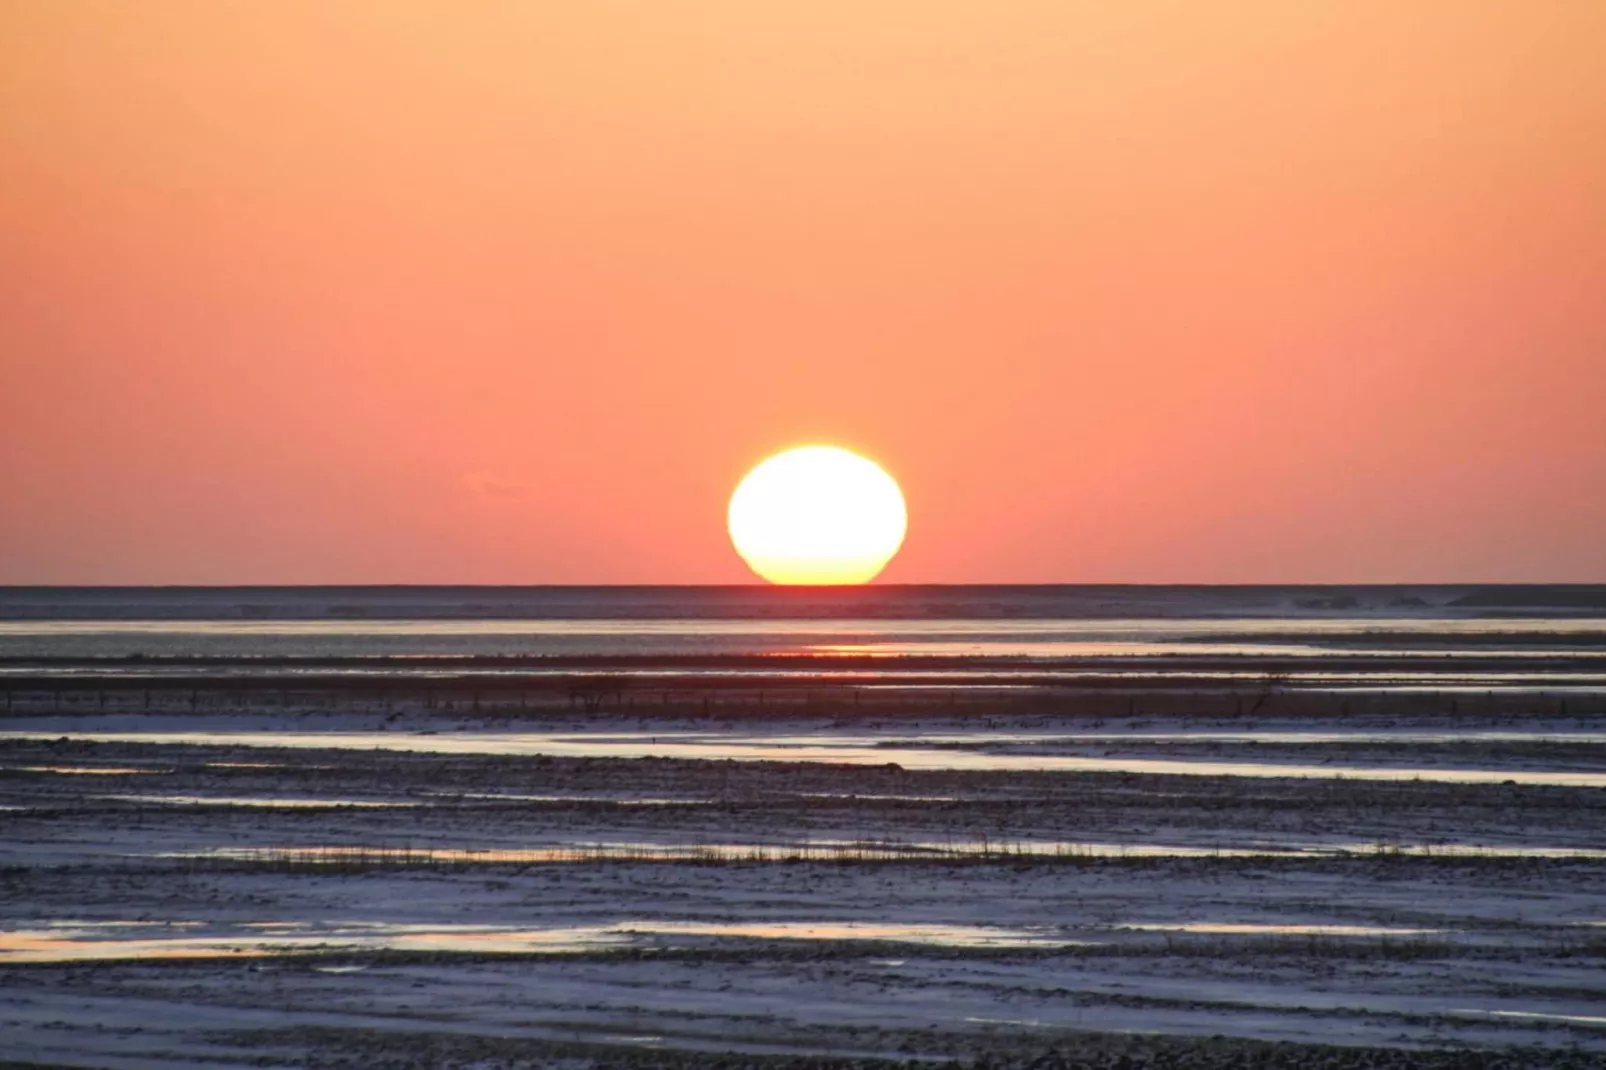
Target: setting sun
[{"x": 817, "y": 514}]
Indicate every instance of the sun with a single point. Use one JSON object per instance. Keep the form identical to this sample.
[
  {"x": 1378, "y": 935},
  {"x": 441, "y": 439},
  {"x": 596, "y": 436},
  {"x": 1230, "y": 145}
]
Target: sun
[{"x": 817, "y": 514}]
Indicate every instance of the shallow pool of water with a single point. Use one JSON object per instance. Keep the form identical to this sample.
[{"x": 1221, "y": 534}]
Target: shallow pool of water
[
  {"x": 84, "y": 770},
  {"x": 103, "y": 942},
  {"x": 843, "y": 851},
  {"x": 107, "y": 941},
  {"x": 849, "y": 750},
  {"x": 266, "y": 802},
  {"x": 613, "y": 800},
  {"x": 1219, "y": 928}
]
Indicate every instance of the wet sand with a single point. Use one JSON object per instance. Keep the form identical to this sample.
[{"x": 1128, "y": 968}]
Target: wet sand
[{"x": 1331, "y": 881}]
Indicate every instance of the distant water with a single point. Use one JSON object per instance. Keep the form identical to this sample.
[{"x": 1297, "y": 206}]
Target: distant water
[
  {"x": 1534, "y": 637},
  {"x": 756, "y": 602}
]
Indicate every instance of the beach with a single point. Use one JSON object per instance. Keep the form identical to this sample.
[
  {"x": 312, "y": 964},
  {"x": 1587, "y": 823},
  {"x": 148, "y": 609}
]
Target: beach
[{"x": 222, "y": 861}]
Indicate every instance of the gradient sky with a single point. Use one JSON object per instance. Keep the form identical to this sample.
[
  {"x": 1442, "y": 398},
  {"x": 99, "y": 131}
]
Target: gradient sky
[{"x": 305, "y": 292}]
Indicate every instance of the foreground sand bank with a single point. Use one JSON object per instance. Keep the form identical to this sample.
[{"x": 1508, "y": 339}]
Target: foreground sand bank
[{"x": 198, "y": 898}]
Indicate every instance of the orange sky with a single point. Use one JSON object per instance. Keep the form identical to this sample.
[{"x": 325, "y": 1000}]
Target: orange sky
[{"x": 302, "y": 292}]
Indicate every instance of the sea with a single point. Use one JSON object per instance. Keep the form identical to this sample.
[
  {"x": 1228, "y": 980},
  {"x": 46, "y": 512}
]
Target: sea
[{"x": 1546, "y": 638}]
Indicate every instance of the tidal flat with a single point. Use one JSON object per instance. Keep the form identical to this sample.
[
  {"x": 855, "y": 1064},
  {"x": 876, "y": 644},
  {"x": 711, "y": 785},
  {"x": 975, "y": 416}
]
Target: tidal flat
[{"x": 1010, "y": 883}]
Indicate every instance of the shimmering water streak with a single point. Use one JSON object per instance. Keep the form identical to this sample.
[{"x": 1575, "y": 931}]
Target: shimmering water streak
[
  {"x": 87, "y": 941},
  {"x": 260, "y": 802},
  {"x": 1218, "y": 928},
  {"x": 601, "y": 800},
  {"x": 103, "y": 941},
  {"x": 942, "y": 935},
  {"x": 83, "y": 770},
  {"x": 840, "y": 851},
  {"x": 708, "y": 747},
  {"x": 1007, "y": 737},
  {"x": 1443, "y": 678},
  {"x": 959, "y": 628},
  {"x": 1103, "y": 638},
  {"x": 1538, "y": 1016},
  {"x": 82, "y": 945}
]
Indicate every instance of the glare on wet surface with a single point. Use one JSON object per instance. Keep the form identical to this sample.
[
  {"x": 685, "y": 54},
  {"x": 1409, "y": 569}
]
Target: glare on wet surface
[
  {"x": 943, "y": 935},
  {"x": 1542, "y": 1016},
  {"x": 259, "y": 802},
  {"x": 107, "y": 941},
  {"x": 842, "y": 851},
  {"x": 870, "y": 796},
  {"x": 1009, "y": 737},
  {"x": 629, "y": 633},
  {"x": 596, "y": 800},
  {"x": 1218, "y": 928},
  {"x": 1331, "y": 939},
  {"x": 84, "y": 770},
  {"x": 90, "y": 943},
  {"x": 861, "y": 749},
  {"x": 1389, "y": 652},
  {"x": 67, "y": 941}
]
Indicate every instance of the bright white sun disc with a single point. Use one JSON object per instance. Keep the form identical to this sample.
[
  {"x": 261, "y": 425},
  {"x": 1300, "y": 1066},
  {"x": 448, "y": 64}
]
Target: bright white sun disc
[{"x": 817, "y": 514}]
